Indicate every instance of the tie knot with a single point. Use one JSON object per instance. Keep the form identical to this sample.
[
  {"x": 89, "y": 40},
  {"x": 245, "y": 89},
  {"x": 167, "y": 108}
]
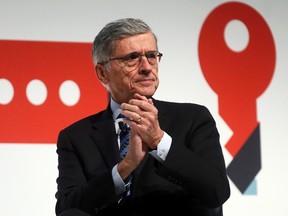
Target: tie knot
[
  {"x": 124, "y": 128},
  {"x": 120, "y": 116}
]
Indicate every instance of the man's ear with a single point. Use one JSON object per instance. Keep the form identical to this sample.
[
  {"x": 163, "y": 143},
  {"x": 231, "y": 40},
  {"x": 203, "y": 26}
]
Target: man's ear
[{"x": 101, "y": 73}]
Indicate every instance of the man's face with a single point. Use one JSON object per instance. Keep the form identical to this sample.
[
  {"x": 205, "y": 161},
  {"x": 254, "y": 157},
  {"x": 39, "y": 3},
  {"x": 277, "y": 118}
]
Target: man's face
[{"x": 124, "y": 82}]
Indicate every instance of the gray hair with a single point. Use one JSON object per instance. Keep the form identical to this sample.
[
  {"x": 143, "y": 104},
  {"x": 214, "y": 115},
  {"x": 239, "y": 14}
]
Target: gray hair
[{"x": 105, "y": 42}]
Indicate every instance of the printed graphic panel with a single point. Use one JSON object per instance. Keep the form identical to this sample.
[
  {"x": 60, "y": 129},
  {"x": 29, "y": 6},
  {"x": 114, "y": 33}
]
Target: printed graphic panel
[{"x": 44, "y": 86}]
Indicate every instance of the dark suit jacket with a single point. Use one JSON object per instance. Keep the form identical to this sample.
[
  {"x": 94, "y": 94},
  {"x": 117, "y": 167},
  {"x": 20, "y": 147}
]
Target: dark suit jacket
[{"x": 191, "y": 181}]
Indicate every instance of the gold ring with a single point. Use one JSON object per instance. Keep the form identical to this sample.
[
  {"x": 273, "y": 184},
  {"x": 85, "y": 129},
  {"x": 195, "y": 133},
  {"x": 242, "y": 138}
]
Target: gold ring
[{"x": 139, "y": 119}]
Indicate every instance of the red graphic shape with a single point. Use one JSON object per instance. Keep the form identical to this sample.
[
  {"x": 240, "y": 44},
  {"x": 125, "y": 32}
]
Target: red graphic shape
[
  {"x": 238, "y": 78},
  {"x": 52, "y": 63}
]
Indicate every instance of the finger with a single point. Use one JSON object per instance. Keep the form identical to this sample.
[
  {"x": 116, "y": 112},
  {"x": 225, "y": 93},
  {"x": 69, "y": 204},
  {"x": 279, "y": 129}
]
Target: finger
[
  {"x": 150, "y": 101},
  {"x": 134, "y": 107},
  {"x": 133, "y": 116},
  {"x": 140, "y": 97},
  {"x": 144, "y": 98},
  {"x": 143, "y": 105},
  {"x": 136, "y": 124}
]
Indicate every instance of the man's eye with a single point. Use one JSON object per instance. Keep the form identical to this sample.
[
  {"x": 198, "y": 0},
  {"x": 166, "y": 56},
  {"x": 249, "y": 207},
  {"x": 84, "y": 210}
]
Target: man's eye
[
  {"x": 132, "y": 56},
  {"x": 151, "y": 55}
]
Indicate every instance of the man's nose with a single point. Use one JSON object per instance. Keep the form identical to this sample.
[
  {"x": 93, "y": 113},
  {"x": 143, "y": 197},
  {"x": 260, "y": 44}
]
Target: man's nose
[{"x": 144, "y": 63}]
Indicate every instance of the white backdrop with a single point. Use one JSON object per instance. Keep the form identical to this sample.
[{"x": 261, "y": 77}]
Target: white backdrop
[{"x": 28, "y": 171}]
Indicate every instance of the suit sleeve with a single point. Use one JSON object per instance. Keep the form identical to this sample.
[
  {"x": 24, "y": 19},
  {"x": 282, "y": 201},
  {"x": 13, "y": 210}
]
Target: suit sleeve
[
  {"x": 76, "y": 189},
  {"x": 195, "y": 160}
]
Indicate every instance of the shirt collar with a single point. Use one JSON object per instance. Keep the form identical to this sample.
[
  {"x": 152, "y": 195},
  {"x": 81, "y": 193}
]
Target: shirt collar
[{"x": 115, "y": 107}]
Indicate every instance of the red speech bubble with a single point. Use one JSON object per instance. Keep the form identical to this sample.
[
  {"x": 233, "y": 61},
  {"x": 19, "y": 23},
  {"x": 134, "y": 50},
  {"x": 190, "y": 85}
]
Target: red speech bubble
[{"x": 61, "y": 74}]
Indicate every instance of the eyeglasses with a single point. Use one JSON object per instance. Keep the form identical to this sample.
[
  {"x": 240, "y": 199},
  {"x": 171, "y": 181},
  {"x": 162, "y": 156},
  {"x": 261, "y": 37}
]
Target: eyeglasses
[{"x": 133, "y": 60}]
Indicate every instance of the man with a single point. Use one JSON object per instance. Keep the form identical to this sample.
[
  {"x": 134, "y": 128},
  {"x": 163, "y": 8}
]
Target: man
[{"x": 174, "y": 161}]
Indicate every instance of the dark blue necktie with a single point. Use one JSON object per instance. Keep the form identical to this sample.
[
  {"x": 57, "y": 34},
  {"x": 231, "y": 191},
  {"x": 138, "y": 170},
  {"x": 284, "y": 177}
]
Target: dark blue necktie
[
  {"x": 124, "y": 139},
  {"x": 124, "y": 145}
]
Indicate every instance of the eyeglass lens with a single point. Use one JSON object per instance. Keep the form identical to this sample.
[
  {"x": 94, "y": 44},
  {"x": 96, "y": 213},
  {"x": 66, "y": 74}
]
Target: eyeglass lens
[{"x": 134, "y": 58}]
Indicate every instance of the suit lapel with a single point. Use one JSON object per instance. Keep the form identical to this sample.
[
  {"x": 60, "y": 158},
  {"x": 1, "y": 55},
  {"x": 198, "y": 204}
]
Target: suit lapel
[
  {"x": 161, "y": 113},
  {"x": 104, "y": 136}
]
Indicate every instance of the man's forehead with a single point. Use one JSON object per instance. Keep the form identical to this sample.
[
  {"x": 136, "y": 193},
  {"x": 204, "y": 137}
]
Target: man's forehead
[{"x": 136, "y": 43}]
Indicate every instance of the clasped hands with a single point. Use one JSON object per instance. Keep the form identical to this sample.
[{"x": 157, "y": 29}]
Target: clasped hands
[{"x": 145, "y": 133}]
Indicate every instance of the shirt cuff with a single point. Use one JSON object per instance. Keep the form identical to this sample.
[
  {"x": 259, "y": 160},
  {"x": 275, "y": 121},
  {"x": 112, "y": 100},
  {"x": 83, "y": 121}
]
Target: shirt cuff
[
  {"x": 163, "y": 148},
  {"x": 118, "y": 182}
]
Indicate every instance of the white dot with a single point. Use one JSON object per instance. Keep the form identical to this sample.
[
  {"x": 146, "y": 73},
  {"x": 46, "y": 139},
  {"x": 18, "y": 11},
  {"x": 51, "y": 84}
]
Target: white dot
[
  {"x": 6, "y": 91},
  {"x": 69, "y": 93},
  {"x": 236, "y": 35},
  {"x": 36, "y": 92}
]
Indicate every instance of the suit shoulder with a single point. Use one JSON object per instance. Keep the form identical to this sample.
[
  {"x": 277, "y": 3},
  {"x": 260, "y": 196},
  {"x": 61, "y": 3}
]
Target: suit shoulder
[
  {"x": 181, "y": 106},
  {"x": 84, "y": 122},
  {"x": 183, "y": 110}
]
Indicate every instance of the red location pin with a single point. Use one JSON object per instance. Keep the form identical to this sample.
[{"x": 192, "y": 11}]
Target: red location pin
[{"x": 238, "y": 77}]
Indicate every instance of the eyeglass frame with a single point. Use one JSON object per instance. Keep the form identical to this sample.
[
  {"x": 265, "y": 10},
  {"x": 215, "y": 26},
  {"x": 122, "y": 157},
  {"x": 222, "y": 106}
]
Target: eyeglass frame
[{"x": 126, "y": 58}]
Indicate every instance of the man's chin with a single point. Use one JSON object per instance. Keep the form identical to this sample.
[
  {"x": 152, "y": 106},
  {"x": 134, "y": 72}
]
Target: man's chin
[
  {"x": 149, "y": 88},
  {"x": 147, "y": 94}
]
